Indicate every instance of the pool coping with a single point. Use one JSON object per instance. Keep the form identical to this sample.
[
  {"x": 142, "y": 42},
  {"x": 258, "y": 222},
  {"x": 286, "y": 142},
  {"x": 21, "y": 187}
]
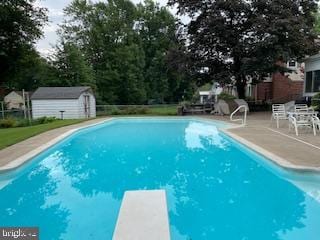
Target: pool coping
[
  {"x": 279, "y": 161},
  {"x": 272, "y": 157}
]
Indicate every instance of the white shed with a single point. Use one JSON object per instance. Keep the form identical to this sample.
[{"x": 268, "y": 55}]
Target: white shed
[{"x": 69, "y": 102}]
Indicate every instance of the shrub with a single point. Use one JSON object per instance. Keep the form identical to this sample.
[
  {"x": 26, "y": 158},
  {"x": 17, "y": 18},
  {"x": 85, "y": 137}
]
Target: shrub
[
  {"x": 22, "y": 123},
  {"x": 185, "y": 103},
  {"x": 114, "y": 110},
  {"x": 226, "y": 96},
  {"x": 50, "y": 119},
  {"x": 8, "y": 123},
  {"x": 250, "y": 99},
  {"x": 142, "y": 110},
  {"x": 315, "y": 102},
  {"x": 44, "y": 120}
]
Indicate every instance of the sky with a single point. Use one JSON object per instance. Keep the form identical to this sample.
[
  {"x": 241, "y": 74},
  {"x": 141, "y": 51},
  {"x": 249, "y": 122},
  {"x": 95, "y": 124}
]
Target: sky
[{"x": 55, "y": 14}]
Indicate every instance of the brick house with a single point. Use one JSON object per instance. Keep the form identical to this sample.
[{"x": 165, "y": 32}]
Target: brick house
[{"x": 279, "y": 87}]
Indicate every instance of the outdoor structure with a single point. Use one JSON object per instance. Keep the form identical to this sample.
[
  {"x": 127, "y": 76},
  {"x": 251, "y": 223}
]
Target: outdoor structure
[
  {"x": 208, "y": 92},
  {"x": 63, "y": 102},
  {"x": 280, "y": 87},
  {"x": 312, "y": 76},
  {"x": 14, "y": 100},
  {"x": 204, "y": 96}
]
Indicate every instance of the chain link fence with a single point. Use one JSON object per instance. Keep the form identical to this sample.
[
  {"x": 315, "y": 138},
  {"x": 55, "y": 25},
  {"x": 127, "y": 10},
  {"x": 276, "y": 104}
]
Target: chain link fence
[
  {"x": 161, "y": 109},
  {"x": 14, "y": 113}
]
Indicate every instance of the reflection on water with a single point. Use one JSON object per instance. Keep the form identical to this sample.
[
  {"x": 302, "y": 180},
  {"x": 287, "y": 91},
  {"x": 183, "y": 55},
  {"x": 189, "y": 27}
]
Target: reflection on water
[
  {"x": 197, "y": 134},
  {"x": 214, "y": 189},
  {"x": 71, "y": 200}
]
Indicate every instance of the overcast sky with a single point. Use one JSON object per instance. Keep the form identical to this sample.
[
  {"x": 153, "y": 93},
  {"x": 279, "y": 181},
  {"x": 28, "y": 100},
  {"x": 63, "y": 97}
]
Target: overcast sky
[{"x": 55, "y": 14}]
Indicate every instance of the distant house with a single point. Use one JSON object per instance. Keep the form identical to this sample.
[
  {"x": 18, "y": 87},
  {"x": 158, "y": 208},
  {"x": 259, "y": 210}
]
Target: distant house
[
  {"x": 14, "y": 100},
  {"x": 205, "y": 93},
  {"x": 63, "y": 102},
  {"x": 280, "y": 87},
  {"x": 312, "y": 76}
]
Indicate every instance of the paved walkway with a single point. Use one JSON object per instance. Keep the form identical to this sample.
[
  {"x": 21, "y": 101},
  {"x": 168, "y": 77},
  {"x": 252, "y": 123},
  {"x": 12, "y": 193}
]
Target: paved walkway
[
  {"x": 15, "y": 155},
  {"x": 301, "y": 152}
]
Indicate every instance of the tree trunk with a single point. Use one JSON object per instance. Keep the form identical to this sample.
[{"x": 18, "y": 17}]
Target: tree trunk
[
  {"x": 241, "y": 88},
  {"x": 240, "y": 78}
]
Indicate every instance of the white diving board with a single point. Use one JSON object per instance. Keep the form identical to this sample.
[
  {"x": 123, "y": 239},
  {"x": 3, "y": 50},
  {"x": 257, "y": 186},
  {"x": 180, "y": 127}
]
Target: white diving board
[{"x": 143, "y": 216}]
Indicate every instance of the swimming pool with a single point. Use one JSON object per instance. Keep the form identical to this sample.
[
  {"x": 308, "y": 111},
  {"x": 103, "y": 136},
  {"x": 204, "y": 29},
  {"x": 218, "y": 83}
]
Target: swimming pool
[{"x": 216, "y": 188}]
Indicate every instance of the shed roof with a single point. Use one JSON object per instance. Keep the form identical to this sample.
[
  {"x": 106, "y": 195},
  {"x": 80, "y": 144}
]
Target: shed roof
[
  {"x": 20, "y": 93},
  {"x": 59, "y": 92}
]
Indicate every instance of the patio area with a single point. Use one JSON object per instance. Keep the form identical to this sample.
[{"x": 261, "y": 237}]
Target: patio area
[{"x": 299, "y": 152}]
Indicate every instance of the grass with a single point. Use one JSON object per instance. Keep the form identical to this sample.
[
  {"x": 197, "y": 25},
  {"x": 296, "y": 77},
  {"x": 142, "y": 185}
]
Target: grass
[
  {"x": 10, "y": 136},
  {"x": 163, "y": 111}
]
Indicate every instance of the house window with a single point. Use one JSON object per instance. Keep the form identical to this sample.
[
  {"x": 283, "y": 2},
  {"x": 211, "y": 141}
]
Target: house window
[
  {"x": 309, "y": 82},
  {"x": 316, "y": 81},
  {"x": 312, "y": 81},
  {"x": 292, "y": 64}
]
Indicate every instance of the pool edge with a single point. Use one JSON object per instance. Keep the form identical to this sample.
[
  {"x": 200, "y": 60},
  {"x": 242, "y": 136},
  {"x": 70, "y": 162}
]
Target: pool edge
[
  {"x": 273, "y": 158},
  {"x": 18, "y": 162}
]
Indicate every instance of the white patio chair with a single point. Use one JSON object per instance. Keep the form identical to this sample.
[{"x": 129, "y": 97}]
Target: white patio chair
[
  {"x": 278, "y": 113},
  {"x": 301, "y": 107},
  {"x": 315, "y": 124},
  {"x": 296, "y": 123}
]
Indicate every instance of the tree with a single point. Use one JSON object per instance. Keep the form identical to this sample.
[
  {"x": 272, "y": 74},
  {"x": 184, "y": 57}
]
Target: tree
[
  {"x": 317, "y": 22},
  {"x": 105, "y": 34},
  {"x": 246, "y": 39},
  {"x": 31, "y": 71},
  {"x": 72, "y": 67},
  {"x": 157, "y": 30},
  {"x": 127, "y": 47},
  {"x": 20, "y": 26}
]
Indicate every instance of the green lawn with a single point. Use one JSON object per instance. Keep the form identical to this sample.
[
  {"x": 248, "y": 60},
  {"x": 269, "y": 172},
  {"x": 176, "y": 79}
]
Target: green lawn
[
  {"x": 10, "y": 136},
  {"x": 168, "y": 110}
]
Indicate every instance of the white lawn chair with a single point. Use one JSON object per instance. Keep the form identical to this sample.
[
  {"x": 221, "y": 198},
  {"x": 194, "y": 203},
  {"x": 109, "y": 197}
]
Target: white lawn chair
[
  {"x": 315, "y": 124},
  {"x": 278, "y": 113},
  {"x": 301, "y": 108},
  {"x": 296, "y": 123}
]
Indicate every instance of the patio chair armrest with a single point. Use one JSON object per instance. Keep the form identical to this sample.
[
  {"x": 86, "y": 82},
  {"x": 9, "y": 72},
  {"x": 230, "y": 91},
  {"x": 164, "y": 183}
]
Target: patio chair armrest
[
  {"x": 315, "y": 119},
  {"x": 292, "y": 119}
]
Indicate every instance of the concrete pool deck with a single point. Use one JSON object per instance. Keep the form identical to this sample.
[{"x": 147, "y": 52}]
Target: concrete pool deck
[
  {"x": 17, "y": 154},
  {"x": 280, "y": 146},
  {"x": 286, "y": 149}
]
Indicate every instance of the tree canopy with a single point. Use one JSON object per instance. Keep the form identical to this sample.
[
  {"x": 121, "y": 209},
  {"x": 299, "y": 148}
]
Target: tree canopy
[
  {"x": 126, "y": 52},
  {"x": 128, "y": 48},
  {"x": 20, "y": 26},
  {"x": 135, "y": 54},
  {"x": 246, "y": 39}
]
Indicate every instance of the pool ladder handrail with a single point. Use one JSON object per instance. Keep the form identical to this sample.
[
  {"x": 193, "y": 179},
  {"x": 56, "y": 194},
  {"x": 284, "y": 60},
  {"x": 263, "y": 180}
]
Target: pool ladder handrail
[{"x": 244, "y": 119}]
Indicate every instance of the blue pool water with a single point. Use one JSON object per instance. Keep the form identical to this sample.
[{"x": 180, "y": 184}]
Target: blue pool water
[{"x": 216, "y": 188}]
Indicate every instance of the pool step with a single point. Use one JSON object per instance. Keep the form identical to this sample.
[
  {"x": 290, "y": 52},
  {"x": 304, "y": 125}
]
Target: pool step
[{"x": 143, "y": 216}]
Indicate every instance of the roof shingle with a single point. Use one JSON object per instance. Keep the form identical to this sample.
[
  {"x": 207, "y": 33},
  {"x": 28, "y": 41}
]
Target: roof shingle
[{"x": 59, "y": 92}]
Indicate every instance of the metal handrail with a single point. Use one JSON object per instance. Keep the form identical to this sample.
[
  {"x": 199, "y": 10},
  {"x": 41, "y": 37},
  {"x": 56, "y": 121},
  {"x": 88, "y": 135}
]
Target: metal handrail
[{"x": 244, "y": 119}]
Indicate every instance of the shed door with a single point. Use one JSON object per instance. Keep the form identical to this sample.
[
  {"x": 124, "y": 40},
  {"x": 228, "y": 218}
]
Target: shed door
[{"x": 87, "y": 106}]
